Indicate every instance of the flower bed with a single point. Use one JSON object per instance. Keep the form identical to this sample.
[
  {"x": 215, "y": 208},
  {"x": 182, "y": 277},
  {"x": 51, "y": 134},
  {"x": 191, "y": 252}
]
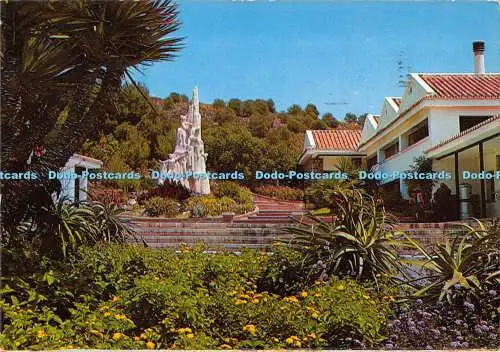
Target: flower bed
[{"x": 134, "y": 298}]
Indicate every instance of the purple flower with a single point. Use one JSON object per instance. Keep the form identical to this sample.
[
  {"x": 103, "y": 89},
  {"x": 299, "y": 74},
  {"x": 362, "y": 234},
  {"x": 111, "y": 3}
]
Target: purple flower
[
  {"x": 458, "y": 322},
  {"x": 418, "y": 301},
  {"x": 389, "y": 346},
  {"x": 465, "y": 344},
  {"x": 455, "y": 344},
  {"x": 469, "y": 306},
  {"x": 492, "y": 293},
  {"x": 492, "y": 336}
]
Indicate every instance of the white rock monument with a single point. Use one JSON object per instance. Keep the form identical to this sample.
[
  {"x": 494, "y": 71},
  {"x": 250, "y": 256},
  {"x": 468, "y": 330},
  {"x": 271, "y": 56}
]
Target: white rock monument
[{"x": 187, "y": 163}]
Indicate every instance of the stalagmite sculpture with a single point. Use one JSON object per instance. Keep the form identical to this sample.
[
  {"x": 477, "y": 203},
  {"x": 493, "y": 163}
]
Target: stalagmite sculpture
[{"x": 189, "y": 158}]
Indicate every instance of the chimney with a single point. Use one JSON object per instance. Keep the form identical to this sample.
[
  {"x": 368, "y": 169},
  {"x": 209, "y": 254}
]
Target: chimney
[{"x": 478, "y": 49}]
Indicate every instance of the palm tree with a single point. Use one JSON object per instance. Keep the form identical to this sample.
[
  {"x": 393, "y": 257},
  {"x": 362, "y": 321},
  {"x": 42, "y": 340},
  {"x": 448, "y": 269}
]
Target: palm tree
[{"x": 62, "y": 64}]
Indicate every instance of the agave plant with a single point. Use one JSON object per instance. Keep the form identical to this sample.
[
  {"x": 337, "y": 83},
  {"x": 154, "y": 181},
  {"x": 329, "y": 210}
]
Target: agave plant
[
  {"x": 64, "y": 226},
  {"x": 469, "y": 260},
  {"x": 109, "y": 226},
  {"x": 361, "y": 241}
]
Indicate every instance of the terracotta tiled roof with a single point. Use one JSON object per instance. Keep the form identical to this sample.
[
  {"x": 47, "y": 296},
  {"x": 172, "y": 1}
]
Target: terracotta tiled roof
[
  {"x": 463, "y": 133},
  {"x": 464, "y": 86},
  {"x": 337, "y": 139}
]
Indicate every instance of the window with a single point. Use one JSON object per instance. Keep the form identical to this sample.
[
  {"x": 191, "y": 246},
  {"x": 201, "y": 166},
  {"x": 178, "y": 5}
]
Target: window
[
  {"x": 467, "y": 122},
  {"x": 419, "y": 132},
  {"x": 391, "y": 150}
]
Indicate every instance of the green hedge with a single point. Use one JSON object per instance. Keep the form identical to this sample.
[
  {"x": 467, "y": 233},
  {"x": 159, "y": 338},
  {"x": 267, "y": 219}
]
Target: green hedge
[{"x": 158, "y": 206}]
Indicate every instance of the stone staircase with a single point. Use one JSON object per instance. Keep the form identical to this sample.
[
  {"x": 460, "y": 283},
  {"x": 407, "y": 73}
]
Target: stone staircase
[{"x": 256, "y": 230}]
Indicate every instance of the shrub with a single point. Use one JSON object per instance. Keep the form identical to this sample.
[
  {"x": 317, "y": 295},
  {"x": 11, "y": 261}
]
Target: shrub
[
  {"x": 211, "y": 206},
  {"x": 64, "y": 226},
  {"x": 328, "y": 193},
  {"x": 468, "y": 261},
  {"x": 158, "y": 206},
  {"x": 439, "y": 325},
  {"x": 126, "y": 297},
  {"x": 359, "y": 242},
  {"x": 280, "y": 192},
  {"x": 240, "y": 194},
  {"x": 167, "y": 190}
]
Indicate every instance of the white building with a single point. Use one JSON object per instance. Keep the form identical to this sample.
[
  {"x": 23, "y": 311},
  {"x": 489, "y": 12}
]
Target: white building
[
  {"x": 74, "y": 188},
  {"x": 454, "y": 119}
]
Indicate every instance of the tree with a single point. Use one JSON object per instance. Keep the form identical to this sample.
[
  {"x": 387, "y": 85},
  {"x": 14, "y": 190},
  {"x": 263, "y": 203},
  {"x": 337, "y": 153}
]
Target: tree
[
  {"x": 67, "y": 57},
  {"x": 330, "y": 120},
  {"x": 294, "y": 109},
  {"x": 259, "y": 125},
  {"x": 350, "y": 117},
  {"x": 134, "y": 147},
  {"x": 312, "y": 111},
  {"x": 219, "y": 103}
]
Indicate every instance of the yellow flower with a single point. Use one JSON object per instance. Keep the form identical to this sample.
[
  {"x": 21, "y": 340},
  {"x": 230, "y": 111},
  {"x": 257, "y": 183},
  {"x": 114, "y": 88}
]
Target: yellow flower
[
  {"x": 225, "y": 347},
  {"x": 312, "y": 335},
  {"x": 297, "y": 343},
  {"x": 184, "y": 330},
  {"x": 120, "y": 316},
  {"x": 340, "y": 287},
  {"x": 250, "y": 328},
  {"x": 143, "y": 336},
  {"x": 103, "y": 308},
  {"x": 136, "y": 338},
  {"x": 150, "y": 345},
  {"x": 115, "y": 299},
  {"x": 289, "y": 341},
  {"x": 315, "y": 315},
  {"x": 107, "y": 314},
  {"x": 292, "y": 299},
  {"x": 189, "y": 336},
  {"x": 366, "y": 296},
  {"x": 117, "y": 336},
  {"x": 275, "y": 339},
  {"x": 41, "y": 333},
  {"x": 303, "y": 294},
  {"x": 317, "y": 294},
  {"x": 239, "y": 301},
  {"x": 232, "y": 293},
  {"x": 255, "y": 300}
]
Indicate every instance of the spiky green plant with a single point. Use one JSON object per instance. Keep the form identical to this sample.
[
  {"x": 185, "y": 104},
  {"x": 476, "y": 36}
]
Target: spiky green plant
[
  {"x": 110, "y": 225},
  {"x": 361, "y": 241},
  {"x": 468, "y": 260},
  {"x": 62, "y": 66}
]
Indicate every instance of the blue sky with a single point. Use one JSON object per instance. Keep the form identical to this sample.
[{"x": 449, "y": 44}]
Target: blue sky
[{"x": 341, "y": 56}]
